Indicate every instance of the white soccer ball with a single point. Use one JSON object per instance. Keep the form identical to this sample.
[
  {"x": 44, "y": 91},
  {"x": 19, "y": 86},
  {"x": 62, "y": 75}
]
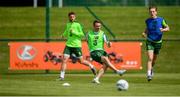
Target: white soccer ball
[{"x": 122, "y": 85}]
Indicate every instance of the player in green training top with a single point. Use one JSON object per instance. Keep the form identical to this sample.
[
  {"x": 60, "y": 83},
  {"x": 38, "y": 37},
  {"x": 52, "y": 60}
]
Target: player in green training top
[
  {"x": 155, "y": 26},
  {"x": 74, "y": 34},
  {"x": 96, "y": 39}
]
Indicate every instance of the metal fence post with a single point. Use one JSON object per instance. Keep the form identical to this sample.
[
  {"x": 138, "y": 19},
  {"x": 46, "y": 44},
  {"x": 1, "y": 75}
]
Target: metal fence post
[
  {"x": 47, "y": 32},
  {"x": 146, "y": 2},
  {"x": 60, "y": 3},
  {"x": 35, "y": 3}
]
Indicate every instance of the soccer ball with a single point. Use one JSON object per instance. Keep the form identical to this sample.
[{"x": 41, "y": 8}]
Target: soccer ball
[{"x": 122, "y": 85}]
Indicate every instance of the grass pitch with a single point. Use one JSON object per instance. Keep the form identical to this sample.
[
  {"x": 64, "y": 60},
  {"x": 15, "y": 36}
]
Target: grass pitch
[{"x": 46, "y": 84}]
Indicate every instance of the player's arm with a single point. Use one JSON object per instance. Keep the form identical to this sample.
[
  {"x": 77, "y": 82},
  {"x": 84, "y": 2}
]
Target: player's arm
[
  {"x": 80, "y": 28},
  {"x": 87, "y": 39},
  {"x": 86, "y": 36},
  {"x": 61, "y": 36},
  {"x": 65, "y": 34},
  {"x": 109, "y": 44},
  {"x": 144, "y": 34},
  {"x": 79, "y": 32},
  {"x": 165, "y": 26}
]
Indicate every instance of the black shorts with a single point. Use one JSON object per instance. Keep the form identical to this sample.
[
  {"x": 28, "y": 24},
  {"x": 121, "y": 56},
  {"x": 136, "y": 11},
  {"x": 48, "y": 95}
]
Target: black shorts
[
  {"x": 96, "y": 55},
  {"x": 156, "y": 47},
  {"x": 73, "y": 50}
]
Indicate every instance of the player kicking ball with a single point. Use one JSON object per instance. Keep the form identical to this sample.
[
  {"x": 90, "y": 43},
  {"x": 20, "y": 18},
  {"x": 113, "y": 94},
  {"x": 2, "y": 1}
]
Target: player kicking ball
[{"x": 96, "y": 39}]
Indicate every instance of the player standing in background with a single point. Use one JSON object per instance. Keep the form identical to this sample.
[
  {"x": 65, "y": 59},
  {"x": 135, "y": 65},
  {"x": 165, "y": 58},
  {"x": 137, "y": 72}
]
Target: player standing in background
[
  {"x": 155, "y": 26},
  {"x": 96, "y": 39},
  {"x": 74, "y": 34}
]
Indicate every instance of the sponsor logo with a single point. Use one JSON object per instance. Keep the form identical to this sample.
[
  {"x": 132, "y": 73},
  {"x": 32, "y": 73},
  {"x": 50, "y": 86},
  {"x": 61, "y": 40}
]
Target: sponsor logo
[{"x": 26, "y": 52}]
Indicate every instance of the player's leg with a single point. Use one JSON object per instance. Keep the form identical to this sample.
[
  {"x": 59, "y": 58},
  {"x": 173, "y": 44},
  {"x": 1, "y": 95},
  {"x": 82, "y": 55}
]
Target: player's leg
[
  {"x": 150, "y": 54},
  {"x": 64, "y": 61},
  {"x": 153, "y": 64},
  {"x": 154, "y": 60},
  {"x": 63, "y": 66},
  {"x": 78, "y": 53},
  {"x": 157, "y": 48},
  {"x": 150, "y": 47},
  {"x": 100, "y": 74},
  {"x": 102, "y": 57},
  {"x": 107, "y": 62},
  {"x": 87, "y": 63}
]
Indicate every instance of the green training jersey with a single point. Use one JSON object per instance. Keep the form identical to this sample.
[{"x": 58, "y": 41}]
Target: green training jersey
[
  {"x": 74, "y": 34},
  {"x": 96, "y": 40}
]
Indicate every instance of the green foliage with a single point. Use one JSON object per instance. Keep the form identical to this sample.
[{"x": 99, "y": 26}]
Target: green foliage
[{"x": 46, "y": 84}]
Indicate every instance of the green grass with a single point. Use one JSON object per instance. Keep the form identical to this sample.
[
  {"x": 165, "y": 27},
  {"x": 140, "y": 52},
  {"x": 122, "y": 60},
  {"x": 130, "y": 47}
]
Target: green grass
[
  {"x": 129, "y": 22},
  {"x": 124, "y": 22},
  {"x": 46, "y": 84}
]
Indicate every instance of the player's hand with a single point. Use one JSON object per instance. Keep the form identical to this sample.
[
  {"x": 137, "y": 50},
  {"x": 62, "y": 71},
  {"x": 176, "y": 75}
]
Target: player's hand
[
  {"x": 144, "y": 35},
  {"x": 61, "y": 36},
  {"x": 109, "y": 44},
  {"x": 71, "y": 32},
  {"x": 161, "y": 29}
]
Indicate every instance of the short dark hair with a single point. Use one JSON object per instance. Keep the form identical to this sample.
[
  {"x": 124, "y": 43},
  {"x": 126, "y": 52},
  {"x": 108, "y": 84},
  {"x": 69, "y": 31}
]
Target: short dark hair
[
  {"x": 96, "y": 21},
  {"x": 155, "y": 7},
  {"x": 71, "y": 13}
]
